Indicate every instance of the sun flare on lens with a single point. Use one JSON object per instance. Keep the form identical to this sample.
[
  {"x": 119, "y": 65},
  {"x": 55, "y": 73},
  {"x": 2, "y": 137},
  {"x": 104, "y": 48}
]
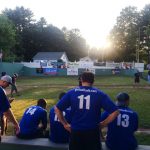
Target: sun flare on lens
[{"x": 99, "y": 43}]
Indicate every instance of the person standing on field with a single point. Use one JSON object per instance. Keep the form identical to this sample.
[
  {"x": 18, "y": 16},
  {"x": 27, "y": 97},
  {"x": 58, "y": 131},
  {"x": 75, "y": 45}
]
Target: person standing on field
[
  {"x": 14, "y": 86},
  {"x": 86, "y": 103}
]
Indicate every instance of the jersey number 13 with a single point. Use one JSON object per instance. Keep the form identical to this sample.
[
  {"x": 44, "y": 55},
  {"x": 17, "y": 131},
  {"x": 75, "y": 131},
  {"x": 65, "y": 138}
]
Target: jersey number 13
[{"x": 123, "y": 120}]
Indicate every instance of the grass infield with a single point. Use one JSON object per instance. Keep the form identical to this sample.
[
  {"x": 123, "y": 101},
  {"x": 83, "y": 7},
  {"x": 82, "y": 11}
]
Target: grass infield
[{"x": 33, "y": 88}]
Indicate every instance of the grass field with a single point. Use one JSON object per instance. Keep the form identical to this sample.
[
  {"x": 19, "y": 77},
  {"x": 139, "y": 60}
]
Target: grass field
[{"x": 34, "y": 88}]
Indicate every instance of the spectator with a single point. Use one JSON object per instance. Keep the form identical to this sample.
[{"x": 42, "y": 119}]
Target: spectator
[
  {"x": 86, "y": 103},
  {"x": 4, "y": 120},
  {"x": 5, "y": 108},
  {"x": 120, "y": 134},
  {"x": 14, "y": 86},
  {"x": 137, "y": 77},
  {"x": 34, "y": 121},
  {"x": 149, "y": 76},
  {"x": 56, "y": 127}
]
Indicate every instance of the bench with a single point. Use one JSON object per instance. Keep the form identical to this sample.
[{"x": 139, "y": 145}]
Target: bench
[{"x": 11, "y": 142}]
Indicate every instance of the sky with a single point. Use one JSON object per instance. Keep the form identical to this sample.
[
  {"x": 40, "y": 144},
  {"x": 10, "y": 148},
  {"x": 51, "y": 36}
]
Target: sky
[{"x": 94, "y": 18}]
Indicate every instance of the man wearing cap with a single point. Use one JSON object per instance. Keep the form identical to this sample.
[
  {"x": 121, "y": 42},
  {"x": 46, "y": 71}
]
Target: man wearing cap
[
  {"x": 120, "y": 133},
  {"x": 5, "y": 107},
  {"x": 14, "y": 86},
  {"x": 86, "y": 103}
]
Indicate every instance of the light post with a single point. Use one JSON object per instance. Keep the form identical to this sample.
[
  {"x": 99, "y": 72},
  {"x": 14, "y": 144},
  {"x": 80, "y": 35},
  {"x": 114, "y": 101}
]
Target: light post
[{"x": 138, "y": 47}]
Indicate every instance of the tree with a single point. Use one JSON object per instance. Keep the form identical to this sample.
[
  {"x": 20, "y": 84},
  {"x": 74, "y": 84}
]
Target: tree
[
  {"x": 125, "y": 33},
  {"x": 22, "y": 19},
  {"x": 77, "y": 46},
  {"x": 7, "y": 37},
  {"x": 144, "y": 30}
]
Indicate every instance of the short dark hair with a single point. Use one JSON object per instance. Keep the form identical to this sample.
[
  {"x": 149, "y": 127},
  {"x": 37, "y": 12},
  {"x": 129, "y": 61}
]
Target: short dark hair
[
  {"x": 61, "y": 94},
  {"x": 41, "y": 102},
  {"x": 122, "y": 98},
  {"x": 3, "y": 74},
  {"x": 87, "y": 76}
]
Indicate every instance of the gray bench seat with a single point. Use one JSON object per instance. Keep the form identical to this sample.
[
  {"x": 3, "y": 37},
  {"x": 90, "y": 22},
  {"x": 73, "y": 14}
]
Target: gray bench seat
[{"x": 11, "y": 142}]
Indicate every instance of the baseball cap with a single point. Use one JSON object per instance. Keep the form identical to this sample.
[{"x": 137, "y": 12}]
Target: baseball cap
[
  {"x": 15, "y": 75},
  {"x": 7, "y": 78}
]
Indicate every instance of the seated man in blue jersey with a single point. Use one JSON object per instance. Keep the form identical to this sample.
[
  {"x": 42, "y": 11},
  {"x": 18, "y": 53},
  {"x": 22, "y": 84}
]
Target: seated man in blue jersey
[
  {"x": 58, "y": 133},
  {"x": 34, "y": 121},
  {"x": 120, "y": 133}
]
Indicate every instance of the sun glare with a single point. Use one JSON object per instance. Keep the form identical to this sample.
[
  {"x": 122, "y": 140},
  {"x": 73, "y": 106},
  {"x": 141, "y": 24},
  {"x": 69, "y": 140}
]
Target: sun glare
[{"x": 99, "y": 43}]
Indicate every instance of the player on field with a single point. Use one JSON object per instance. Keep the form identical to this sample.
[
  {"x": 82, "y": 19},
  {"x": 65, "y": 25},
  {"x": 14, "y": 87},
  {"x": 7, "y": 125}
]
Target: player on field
[
  {"x": 58, "y": 133},
  {"x": 120, "y": 134},
  {"x": 137, "y": 77},
  {"x": 34, "y": 121},
  {"x": 86, "y": 103},
  {"x": 14, "y": 86}
]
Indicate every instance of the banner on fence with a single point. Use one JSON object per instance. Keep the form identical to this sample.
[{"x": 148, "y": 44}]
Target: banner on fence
[
  {"x": 50, "y": 71},
  {"x": 72, "y": 71}
]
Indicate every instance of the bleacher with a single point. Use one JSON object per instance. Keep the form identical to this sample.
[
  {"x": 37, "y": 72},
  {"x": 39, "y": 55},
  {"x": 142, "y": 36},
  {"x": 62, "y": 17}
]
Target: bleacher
[{"x": 13, "y": 143}]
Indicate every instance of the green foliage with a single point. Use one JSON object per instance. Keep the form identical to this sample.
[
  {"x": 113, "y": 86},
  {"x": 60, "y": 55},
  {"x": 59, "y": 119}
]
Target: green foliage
[
  {"x": 124, "y": 34},
  {"x": 77, "y": 47},
  {"x": 7, "y": 36},
  {"x": 130, "y": 34},
  {"x": 36, "y": 36}
]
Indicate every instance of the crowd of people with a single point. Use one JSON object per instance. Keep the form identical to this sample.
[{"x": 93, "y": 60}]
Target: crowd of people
[{"x": 76, "y": 118}]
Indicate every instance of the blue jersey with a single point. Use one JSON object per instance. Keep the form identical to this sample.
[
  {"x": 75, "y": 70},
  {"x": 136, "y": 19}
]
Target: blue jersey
[
  {"x": 86, "y": 103},
  {"x": 4, "y": 103},
  {"x": 32, "y": 118},
  {"x": 58, "y": 133},
  {"x": 120, "y": 134}
]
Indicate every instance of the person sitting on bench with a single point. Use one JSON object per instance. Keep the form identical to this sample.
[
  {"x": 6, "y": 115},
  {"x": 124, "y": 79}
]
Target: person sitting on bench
[
  {"x": 34, "y": 121},
  {"x": 58, "y": 133}
]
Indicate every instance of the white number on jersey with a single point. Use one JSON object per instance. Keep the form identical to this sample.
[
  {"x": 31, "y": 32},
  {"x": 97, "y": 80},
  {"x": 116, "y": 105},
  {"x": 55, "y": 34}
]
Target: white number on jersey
[
  {"x": 56, "y": 118},
  {"x": 81, "y": 101},
  {"x": 31, "y": 111},
  {"x": 123, "y": 120}
]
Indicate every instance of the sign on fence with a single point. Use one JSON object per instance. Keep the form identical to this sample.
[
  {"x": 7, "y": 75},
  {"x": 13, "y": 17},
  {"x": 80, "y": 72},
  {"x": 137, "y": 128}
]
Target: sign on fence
[
  {"x": 72, "y": 71},
  {"x": 50, "y": 71}
]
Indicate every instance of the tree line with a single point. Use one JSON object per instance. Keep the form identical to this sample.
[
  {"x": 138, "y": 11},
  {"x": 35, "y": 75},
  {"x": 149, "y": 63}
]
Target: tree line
[{"x": 21, "y": 37}]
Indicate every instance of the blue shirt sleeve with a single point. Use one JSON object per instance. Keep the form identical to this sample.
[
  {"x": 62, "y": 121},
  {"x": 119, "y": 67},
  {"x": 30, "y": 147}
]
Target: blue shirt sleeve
[
  {"x": 104, "y": 116},
  {"x": 65, "y": 102},
  {"x": 107, "y": 104},
  {"x": 4, "y": 102}
]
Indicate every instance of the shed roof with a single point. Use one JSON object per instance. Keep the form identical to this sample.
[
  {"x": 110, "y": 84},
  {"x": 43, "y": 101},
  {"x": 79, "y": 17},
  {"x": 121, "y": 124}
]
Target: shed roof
[{"x": 48, "y": 55}]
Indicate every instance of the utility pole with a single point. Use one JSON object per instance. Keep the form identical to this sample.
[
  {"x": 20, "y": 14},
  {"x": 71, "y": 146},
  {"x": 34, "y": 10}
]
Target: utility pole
[{"x": 138, "y": 47}]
